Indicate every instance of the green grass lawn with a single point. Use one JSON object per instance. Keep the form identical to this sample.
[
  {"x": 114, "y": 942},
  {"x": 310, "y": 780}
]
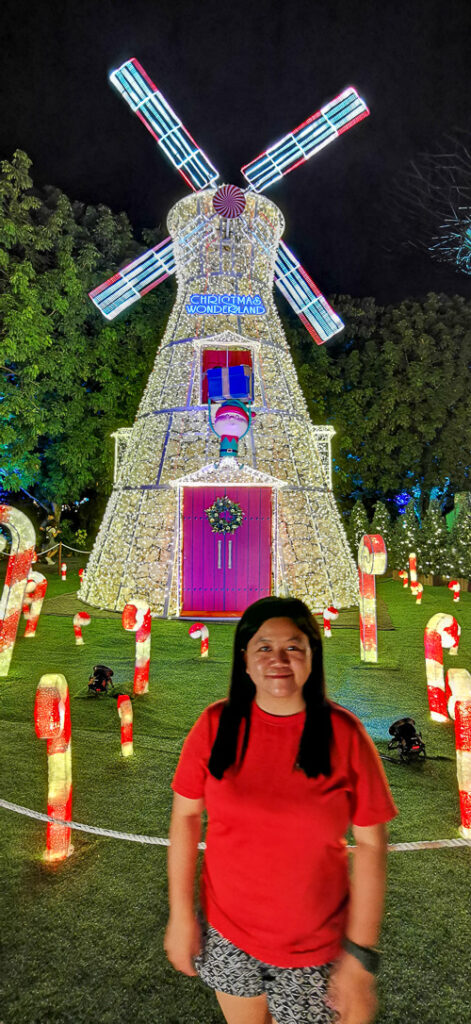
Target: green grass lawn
[{"x": 82, "y": 941}]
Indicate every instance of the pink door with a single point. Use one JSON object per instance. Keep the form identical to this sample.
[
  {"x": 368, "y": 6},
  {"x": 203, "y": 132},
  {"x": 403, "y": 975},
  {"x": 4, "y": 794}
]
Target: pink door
[{"x": 225, "y": 572}]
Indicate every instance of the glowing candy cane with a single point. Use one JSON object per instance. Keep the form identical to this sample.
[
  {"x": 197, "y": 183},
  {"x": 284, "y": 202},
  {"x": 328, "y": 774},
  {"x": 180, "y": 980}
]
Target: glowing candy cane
[
  {"x": 28, "y": 595},
  {"x": 418, "y": 593},
  {"x": 64, "y": 570},
  {"x": 413, "y": 573},
  {"x": 81, "y": 619},
  {"x": 52, "y": 723},
  {"x": 463, "y": 762},
  {"x": 329, "y": 615},
  {"x": 136, "y": 617},
  {"x": 80, "y": 575},
  {"x": 18, "y": 566},
  {"x": 457, "y": 687},
  {"x": 441, "y": 632},
  {"x": 125, "y": 714},
  {"x": 37, "y": 593},
  {"x": 372, "y": 561},
  {"x": 404, "y": 576},
  {"x": 198, "y": 629},
  {"x": 455, "y": 587}
]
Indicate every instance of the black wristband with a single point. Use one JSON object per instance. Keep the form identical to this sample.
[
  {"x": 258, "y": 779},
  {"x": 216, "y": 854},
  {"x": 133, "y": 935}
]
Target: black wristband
[{"x": 368, "y": 957}]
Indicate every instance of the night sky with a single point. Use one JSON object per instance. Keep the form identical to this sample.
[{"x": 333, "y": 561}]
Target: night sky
[{"x": 240, "y": 76}]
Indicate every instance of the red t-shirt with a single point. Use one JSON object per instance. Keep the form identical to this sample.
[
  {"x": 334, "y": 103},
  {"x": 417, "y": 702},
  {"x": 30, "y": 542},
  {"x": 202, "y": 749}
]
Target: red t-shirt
[{"x": 275, "y": 873}]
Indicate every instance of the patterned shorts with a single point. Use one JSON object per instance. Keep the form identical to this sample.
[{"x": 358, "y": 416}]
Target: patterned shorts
[{"x": 295, "y": 995}]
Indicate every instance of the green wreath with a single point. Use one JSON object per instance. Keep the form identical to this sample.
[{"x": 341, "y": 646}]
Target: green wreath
[{"x": 225, "y": 516}]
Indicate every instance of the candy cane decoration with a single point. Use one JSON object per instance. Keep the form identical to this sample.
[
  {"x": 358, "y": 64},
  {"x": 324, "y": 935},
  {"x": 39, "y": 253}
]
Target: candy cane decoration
[
  {"x": 404, "y": 576},
  {"x": 455, "y": 587},
  {"x": 198, "y": 629},
  {"x": 80, "y": 575},
  {"x": 457, "y": 687},
  {"x": 52, "y": 723},
  {"x": 125, "y": 714},
  {"x": 329, "y": 615},
  {"x": 418, "y": 593},
  {"x": 413, "y": 573},
  {"x": 136, "y": 618},
  {"x": 28, "y": 595},
  {"x": 81, "y": 619},
  {"x": 64, "y": 570},
  {"x": 18, "y": 567},
  {"x": 463, "y": 762},
  {"x": 442, "y": 632},
  {"x": 37, "y": 585},
  {"x": 372, "y": 562}
]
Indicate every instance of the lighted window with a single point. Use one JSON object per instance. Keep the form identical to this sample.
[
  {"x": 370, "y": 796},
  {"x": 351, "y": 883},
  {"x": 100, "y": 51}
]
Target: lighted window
[{"x": 226, "y": 385}]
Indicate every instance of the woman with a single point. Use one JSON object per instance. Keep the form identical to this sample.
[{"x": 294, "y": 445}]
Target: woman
[{"x": 281, "y": 935}]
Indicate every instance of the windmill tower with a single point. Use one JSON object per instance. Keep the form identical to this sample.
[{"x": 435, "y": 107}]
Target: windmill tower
[{"x": 194, "y": 530}]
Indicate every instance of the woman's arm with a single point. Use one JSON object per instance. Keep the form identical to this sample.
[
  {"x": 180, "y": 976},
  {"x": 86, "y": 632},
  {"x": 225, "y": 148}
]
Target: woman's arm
[
  {"x": 352, "y": 988},
  {"x": 367, "y": 885},
  {"x": 182, "y": 939}
]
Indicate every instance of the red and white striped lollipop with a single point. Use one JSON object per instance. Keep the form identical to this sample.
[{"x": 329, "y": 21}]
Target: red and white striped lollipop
[{"x": 229, "y": 201}]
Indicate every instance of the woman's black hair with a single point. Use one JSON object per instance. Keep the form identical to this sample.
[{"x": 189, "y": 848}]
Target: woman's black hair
[{"x": 314, "y": 748}]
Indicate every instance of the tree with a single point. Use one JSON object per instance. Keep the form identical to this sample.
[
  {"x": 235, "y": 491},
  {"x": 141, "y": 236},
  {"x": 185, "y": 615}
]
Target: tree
[
  {"x": 69, "y": 377},
  {"x": 396, "y": 391},
  {"x": 381, "y": 523},
  {"x": 433, "y": 555},
  {"x": 405, "y": 538},
  {"x": 358, "y": 525},
  {"x": 460, "y": 541}
]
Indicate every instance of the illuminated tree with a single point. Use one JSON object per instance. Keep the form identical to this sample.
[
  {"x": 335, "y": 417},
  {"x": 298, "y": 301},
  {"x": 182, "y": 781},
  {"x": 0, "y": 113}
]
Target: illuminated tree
[
  {"x": 381, "y": 523},
  {"x": 460, "y": 541},
  {"x": 432, "y": 548},
  {"x": 405, "y": 537},
  {"x": 358, "y": 525}
]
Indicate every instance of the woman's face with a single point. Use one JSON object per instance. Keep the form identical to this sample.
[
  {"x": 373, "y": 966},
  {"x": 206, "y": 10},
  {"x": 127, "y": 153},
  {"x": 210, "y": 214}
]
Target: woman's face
[{"x": 278, "y": 660}]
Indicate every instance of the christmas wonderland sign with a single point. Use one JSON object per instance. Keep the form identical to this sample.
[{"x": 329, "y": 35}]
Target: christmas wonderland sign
[{"x": 240, "y": 305}]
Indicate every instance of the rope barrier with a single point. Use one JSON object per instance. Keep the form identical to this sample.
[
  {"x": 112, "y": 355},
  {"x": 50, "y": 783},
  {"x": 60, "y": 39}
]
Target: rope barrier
[
  {"x": 132, "y": 837},
  {"x": 80, "y": 551},
  {"x": 54, "y": 547}
]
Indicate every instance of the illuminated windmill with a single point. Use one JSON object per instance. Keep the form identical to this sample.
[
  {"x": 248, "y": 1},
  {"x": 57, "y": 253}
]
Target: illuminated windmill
[{"x": 191, "y": 530}]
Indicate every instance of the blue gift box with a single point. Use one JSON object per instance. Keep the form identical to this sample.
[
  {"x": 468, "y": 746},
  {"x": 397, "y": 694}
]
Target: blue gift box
[{"x": 230, "y": 382}]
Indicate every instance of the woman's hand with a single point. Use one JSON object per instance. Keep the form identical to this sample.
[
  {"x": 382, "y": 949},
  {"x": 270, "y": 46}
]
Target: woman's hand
[
  {"x": 352, "y": 991},
  {"x": 183, "y": 941}
]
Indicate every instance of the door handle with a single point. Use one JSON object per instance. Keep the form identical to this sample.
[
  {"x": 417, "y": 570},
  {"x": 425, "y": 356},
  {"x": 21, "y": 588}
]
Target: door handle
[
  {"x": 219, "y": 554},
  {"x": 229, "y": 555}
]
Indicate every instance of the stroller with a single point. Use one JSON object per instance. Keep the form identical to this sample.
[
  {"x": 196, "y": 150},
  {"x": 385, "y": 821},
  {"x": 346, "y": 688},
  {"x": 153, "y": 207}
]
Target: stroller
[
  {"x": 406, "y": 738},
  {"x": 100, "y": 681}
]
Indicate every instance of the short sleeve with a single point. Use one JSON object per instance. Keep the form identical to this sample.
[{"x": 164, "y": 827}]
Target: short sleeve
[
  {"x": 371, "y": 797},
  {"x": 192, "y": 768}
]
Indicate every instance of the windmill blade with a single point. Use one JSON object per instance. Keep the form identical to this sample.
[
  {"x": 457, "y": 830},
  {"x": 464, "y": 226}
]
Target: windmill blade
[
  {"x": 149, "y": 269},
  {"x": 307, "y": 139},
  {"x": 146, "y": 100},
  {"x": 134, "y": 280},
  {"x": 304, "y": 297}
]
